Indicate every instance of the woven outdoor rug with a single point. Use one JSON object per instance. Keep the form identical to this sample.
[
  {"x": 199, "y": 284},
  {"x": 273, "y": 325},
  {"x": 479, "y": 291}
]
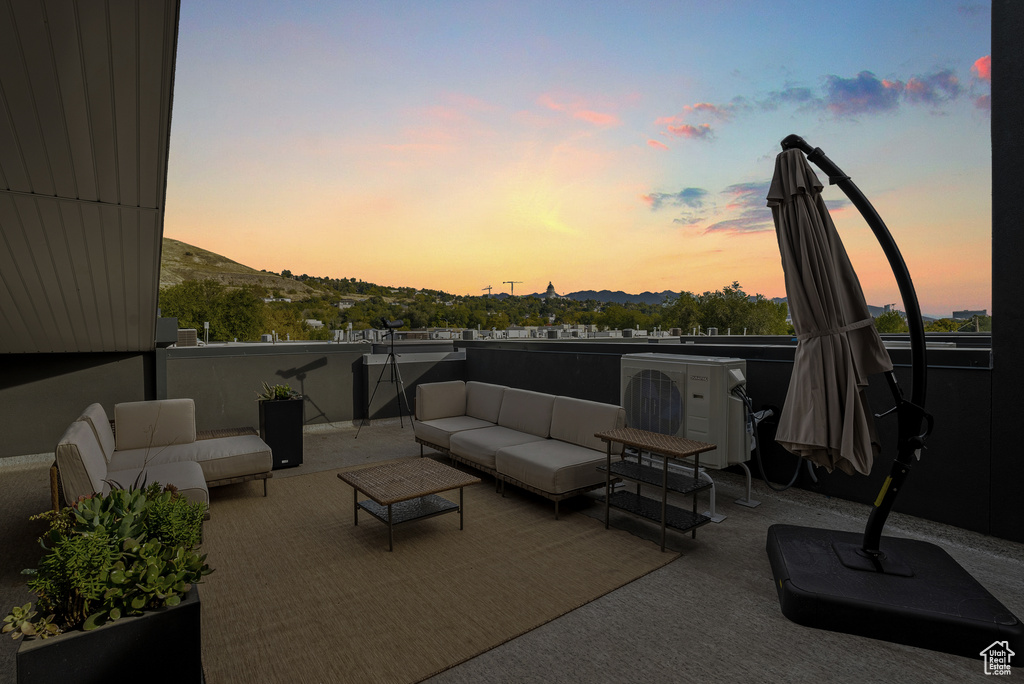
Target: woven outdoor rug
[{"x": 299, "y": 594}]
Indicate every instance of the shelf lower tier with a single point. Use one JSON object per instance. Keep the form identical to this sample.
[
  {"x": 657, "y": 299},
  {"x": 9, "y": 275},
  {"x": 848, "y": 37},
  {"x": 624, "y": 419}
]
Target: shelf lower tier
[
  {"x": 675, "y": 517},
  {"x": 635, "y": 472}
]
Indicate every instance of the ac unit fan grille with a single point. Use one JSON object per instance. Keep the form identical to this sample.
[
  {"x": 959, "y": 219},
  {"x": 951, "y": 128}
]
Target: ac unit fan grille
[{"x": 654, "y": 403}]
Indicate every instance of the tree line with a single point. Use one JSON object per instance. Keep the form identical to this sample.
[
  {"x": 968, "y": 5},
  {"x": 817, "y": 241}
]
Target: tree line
[{"x": 241, "y": 312}]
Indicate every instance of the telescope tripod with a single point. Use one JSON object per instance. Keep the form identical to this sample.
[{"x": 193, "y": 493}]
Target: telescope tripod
[{"x": 396, "y": 378}]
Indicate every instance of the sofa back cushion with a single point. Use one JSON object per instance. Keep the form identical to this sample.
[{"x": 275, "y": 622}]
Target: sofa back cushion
[
  {"x": 142, "y": 424},
  {"x": 80, "y": 461},
  {"x": 576, "y": 421},
  {"x": 97, "y": 419},
  {"x": 440, "y": 400},
  {"x": 526, "y": 411},
  {"x": 483, "y": 400}
]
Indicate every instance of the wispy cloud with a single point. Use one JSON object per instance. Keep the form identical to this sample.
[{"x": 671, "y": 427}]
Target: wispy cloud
[
  {"x": 973, "y": 10},
  {"x": 941, "y": 86},
  {"x": 690, "y": 197},
  {"x": 790, "y": 95},
  {"x": 579, "y": 110},
  {"x": 746, "y": 201},
  {"x": 698, "y": 132},
  {"x": 657, "y": 145}
]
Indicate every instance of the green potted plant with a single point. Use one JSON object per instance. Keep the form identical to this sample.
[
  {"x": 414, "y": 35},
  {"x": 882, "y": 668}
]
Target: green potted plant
[
  {"x": 115, "y": 586},
  {"x": 281, "y": 418}
]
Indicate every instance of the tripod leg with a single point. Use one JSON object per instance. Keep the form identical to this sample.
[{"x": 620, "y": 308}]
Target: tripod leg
[
  {"x": 372, "y": 395},
  {"x": 400, "y": 393}
]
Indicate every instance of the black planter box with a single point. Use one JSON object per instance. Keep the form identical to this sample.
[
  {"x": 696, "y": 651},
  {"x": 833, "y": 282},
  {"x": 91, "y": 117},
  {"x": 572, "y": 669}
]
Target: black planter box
[
  {"x": 164, "y": 645},
  {"x": 281, "y": 428}
]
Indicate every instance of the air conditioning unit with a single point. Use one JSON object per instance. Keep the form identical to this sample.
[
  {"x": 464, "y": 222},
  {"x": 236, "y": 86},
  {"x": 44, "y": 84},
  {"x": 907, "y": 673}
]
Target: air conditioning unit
[
  {"x": 691, "y": 397},
  {"x": 188, "y": 337}
]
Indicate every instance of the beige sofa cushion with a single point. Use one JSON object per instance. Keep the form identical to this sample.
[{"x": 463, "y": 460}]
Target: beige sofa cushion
[
  {"x": 438, "y": 432},
  {"x": 526, "y": 411},
  {"x": 97, "y": 419},
  {"x": 576, "y": 421},
  {"x": 440, "y": 400},
  {"x": 483, "y": 400},
  {"x": 552, "y": 466},
  {"x": 187, "y": 476},
  {"x": 480, "y": 446},
  {"x": 80, "y": 461},
  {"x": 141, "y": 424},
  {"x": 221, "y": 458}
]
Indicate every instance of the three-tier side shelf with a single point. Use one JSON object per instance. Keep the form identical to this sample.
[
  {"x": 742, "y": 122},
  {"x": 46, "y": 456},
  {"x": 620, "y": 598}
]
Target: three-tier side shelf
[{"x": 667, "y": 447}]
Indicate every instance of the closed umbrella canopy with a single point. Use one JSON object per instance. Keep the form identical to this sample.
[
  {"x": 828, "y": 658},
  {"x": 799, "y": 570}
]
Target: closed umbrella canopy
[{"x": 826, "y": 418}]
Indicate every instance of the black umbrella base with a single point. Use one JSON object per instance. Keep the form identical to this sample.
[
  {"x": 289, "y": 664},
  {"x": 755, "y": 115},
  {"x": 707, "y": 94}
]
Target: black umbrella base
[{"x": 921, "y": 597}]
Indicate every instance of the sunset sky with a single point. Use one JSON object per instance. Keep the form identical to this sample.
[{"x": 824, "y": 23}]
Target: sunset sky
[{"x": 596, "y": 145}]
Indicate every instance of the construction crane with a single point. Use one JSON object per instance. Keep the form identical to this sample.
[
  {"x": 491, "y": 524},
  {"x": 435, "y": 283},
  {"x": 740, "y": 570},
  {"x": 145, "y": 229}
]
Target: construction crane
[
  {"x": 512, "y": 289},
  {"x": 488, "y": 288}
]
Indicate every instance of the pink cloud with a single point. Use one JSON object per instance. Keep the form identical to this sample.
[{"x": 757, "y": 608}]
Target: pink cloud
[
  {"x": 548, "y": 102},
  {"x": 596, "y": 118},
  {"x": 648, "y": 199},
  {"x": 698, "y": 132},
  {"x": 657, "y": 145},
  {"x": 708, "y": 108},
  {"x": 578, "y": 111},
  {"x": 982, "y": 68}
]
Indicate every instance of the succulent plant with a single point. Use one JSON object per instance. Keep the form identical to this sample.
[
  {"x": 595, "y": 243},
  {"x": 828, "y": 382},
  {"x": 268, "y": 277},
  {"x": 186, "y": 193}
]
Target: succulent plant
[
  {"x": 271, "y": 392},
  {"x": 110, "y": 556}
]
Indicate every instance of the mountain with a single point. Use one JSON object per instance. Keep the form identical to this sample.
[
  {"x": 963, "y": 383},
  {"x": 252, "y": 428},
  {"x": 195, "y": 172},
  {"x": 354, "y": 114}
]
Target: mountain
[
  {"x": 180, "y": 261},
  {"x": 617, "y": 297}
]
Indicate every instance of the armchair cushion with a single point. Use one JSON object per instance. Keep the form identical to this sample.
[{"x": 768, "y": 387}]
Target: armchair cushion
[
  {"x": 440, "y": 400},
  {"x": 526, "y": 411},
  {"x": 148, "y": 424},
  {"x": 80, "y": 461},
  {"x": 96, "y": 417},
  {"x": 483, "y": 400},
  {"x": 576, "y": 421}
]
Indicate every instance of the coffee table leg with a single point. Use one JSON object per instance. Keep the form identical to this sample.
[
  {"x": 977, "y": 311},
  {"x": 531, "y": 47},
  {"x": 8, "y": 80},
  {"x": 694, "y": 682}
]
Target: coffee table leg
[
  {"x": 355, "y": 505},
  {"x": 391, "y": 530},
  {"x": 460, "y": 507}
]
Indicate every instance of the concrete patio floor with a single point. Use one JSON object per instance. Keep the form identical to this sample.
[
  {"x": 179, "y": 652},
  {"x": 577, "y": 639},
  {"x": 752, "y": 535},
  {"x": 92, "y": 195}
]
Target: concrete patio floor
[{"x": 712, "y": 615}]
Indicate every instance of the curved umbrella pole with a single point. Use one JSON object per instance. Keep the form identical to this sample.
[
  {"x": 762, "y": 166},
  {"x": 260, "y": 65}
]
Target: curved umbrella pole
[{"x": 910, "y": 414}]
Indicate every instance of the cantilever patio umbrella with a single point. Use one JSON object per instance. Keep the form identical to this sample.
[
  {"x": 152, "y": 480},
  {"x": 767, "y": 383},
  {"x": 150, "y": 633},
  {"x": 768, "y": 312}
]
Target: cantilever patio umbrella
[
  {"x": 825, "y": 418},
  {"x": 899, "y": 590}
]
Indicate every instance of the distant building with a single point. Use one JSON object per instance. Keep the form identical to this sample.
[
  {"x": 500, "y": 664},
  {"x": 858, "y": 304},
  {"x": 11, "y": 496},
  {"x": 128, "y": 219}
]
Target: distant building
[
  {"x": 314, "y": 324},
  {"x": 550, "y": 292},
  {"x": 968, "y": 314}
]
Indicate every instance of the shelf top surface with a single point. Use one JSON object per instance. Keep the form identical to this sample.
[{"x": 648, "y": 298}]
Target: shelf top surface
[{"x": 666, "y": 445}]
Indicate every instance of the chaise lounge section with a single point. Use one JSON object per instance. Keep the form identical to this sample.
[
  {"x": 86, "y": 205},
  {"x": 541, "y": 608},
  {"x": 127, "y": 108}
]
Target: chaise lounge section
[
  {"x": 540, "y": 442},
  {"x": 157, "y": 441}
]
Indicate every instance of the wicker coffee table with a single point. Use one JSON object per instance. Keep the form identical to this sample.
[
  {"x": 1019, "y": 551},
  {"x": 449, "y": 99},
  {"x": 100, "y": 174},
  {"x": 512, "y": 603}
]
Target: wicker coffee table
[{"x": 403, "y": 491}]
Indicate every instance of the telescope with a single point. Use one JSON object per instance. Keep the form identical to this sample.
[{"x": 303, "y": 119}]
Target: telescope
[{"x": 391, "y": 325}]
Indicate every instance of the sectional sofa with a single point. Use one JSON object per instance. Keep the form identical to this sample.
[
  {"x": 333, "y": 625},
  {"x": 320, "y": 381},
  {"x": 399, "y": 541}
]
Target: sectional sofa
[
  {"x": 540, "y": 442},
  {"x": 156, "y": 440}
]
